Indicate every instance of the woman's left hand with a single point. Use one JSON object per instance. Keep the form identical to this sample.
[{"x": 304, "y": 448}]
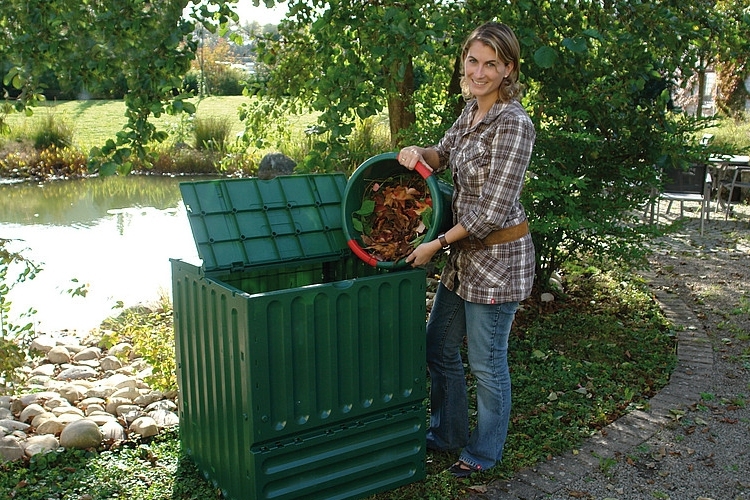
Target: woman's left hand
[{"x": 422, "y": 254}]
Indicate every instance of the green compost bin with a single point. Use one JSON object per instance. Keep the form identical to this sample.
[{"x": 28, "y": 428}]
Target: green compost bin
[{"x": 301, "y": 369}]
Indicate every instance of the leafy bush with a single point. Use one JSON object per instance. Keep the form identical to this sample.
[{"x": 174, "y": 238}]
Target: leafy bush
[
  {"x": 14, "y": 339},
  {"x": 19, "y": 160},
  {"x": 150, "y": 330},
  {"x": 229, "y": 82}
]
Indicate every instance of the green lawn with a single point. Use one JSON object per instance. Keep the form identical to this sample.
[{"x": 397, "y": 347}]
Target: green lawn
[{"x": 95, "y": 121}]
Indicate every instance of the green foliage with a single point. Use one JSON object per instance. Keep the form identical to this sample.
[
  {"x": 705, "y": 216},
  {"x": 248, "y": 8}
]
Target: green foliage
[
  {"x": 212, "y": 134},
  {"x": 94, "y": 44},
  {"x": 14, "y": 338},
  {"x": 147, "y": 470},
  {"x": 20, "y": 160},
  {"x": 151, "y": 331},
  {"x": 599, "y": 94},
  {"x": 731, "y": 134},
  {"x": 52, "y": 131},
  {"x": 350, "y": 61}
]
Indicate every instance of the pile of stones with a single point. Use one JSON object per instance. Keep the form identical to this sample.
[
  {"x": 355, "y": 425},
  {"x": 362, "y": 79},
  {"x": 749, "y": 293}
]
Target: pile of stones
[{"x": 80, "y": 396}]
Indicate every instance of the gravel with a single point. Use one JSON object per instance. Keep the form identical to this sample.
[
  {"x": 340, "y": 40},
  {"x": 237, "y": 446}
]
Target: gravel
[{"x": 693, "y": 440}]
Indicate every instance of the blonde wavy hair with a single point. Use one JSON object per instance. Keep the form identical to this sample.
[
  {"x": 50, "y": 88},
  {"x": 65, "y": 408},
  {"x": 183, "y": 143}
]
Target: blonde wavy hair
[{"x": 503, "y": 41}]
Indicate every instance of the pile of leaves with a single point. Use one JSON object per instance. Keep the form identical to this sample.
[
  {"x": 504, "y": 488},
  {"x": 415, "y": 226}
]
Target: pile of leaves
[{"x": 395, "y": 216}]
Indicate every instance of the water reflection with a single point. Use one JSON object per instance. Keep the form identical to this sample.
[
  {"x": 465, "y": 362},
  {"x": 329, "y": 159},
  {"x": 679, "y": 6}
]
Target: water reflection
[{"x": 114, "y": 234}]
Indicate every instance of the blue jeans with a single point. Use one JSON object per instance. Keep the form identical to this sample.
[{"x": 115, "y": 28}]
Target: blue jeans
[{"x": 486, "y": 327}]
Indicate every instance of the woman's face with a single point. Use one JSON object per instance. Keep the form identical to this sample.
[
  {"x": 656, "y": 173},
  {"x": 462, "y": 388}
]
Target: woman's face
[{"x": 484, "y": 70}]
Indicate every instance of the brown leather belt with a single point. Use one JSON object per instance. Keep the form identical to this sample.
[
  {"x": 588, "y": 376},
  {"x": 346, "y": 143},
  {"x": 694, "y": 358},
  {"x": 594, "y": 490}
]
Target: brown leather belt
[{"x": 505, "y": 235}]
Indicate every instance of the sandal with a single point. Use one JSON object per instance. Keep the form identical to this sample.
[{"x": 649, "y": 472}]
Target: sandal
[{"x": 462, "y": 470}]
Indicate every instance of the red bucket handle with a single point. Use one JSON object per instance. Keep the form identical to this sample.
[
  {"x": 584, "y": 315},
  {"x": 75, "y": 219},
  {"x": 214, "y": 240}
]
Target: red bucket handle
[{"x": 423, "y": 170}]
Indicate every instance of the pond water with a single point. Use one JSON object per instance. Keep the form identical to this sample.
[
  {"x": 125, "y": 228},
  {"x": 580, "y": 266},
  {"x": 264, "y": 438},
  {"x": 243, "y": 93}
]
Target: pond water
[{"x": 114, "y": 235}]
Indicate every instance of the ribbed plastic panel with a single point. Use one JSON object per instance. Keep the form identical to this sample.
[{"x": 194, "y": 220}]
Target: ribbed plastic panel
[
  {"x": 264, "y": 370},
  {"x": 240, "y": 223},
  {"x": 369, "y": 455}
]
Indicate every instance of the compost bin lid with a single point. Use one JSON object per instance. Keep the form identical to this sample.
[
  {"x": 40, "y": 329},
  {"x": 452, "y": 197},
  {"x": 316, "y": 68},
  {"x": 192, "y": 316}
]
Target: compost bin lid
[{"x": 239, "y": 223}]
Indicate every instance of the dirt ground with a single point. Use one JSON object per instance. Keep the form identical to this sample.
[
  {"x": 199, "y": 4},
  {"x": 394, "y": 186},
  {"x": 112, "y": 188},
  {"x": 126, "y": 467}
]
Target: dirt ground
[{"x": 704, "y": 453}]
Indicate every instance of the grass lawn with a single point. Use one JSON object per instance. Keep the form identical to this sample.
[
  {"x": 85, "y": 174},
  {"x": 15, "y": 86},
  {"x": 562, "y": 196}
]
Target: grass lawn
[{"x": 95, "y": 121}]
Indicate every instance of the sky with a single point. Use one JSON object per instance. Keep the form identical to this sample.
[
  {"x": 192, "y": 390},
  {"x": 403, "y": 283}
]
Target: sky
[{"x": 262, "y": 15}]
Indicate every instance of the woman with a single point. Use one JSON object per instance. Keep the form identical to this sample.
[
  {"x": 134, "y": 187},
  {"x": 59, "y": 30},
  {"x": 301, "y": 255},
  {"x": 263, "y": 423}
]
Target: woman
[{"x": 490, "y": 268}]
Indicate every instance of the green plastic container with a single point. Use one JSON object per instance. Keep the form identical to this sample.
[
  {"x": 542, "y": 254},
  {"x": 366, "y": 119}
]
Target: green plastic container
[
  {"x": 301, "y": 369},
  {"x": 381, "y": 167}
]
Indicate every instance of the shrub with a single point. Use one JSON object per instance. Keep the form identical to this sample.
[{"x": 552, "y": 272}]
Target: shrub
[
  {"x": 212, "y": 134},
  {"x": 14, "y": 339},
  {"x": 151, "y": 331},
  {"x": 20, "y": 160},
  {"x": 52, "y": 131}
]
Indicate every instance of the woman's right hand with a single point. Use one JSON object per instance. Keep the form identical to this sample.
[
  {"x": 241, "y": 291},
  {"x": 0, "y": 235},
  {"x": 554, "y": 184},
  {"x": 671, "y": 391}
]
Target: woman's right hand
[{"x": 410, "y": 156}]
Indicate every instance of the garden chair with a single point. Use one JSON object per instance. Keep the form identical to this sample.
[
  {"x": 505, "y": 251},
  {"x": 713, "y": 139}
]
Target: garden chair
[{"x": 690, "y": 185}]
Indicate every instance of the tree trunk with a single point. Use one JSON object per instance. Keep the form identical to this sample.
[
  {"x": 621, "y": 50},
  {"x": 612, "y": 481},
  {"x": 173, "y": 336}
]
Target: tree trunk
[
  {"x": 454, "y": 88},
  {"x": 401, "y": 103},
  {"x": 701, "y": 88}
]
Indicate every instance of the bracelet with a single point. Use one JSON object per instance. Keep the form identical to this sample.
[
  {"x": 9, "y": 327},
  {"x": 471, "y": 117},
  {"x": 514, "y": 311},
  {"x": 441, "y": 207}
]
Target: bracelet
[{"x": 443, "y": 241}]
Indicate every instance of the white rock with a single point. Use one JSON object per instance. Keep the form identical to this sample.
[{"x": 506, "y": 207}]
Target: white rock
[
  {"x": 164, "y": 404},
  {"x": 37, "y": 421},
  {"x": 40, "y": 444},
  {"x": 10, "y": 449},
  {"x": 50, "y": 426},
  {"x": 11, "y": 425},
  {"x": 46, "y": 369},
  {"x": 72, "y": 344},
  {"x": 76, "y": 372},
  {"x": 93, "y": 408},
  {"x": 110, "y": 363},
  {"x": 556, "y": 284},
  {"x": 72, "y": 392},
  {"x": 55, "y": 402},
  {"x": 62, "y": 410},
  {"x": 27, "y": 399},
  {"x": 547, "y": 297},
  {"x": 121, "y": 350},
  {"x": 113, "y": 430},
  {"x": 100, "y": 391},
  {"x": 31, "y": 411},
  {"x": 120, "y": 380},
  {"x": 149, "y": 398},
  {"x": 5, "y": 413},
  {"x": 91, "y": 363},
  {"x": 101, "y": 417},
  {"x": 43, "y": 343},
  {"x": 84, "y": 403},
  {"x": 127, "y": 408},
  {"x": 88, "y": 353},
  {"x": 113, "y": 403},
  {"x": 58, "y": 355},
  {"x": 164, "y": 418},
  {"x": 67, "y": 418},
  {"x": 130, "y": 393},
  {"x": 145, "y": 426},
  {"x": 81, "y": 434}
]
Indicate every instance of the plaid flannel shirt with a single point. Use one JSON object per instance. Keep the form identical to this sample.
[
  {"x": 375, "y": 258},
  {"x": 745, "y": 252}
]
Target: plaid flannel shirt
[{"x": 488, "y": 163}]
